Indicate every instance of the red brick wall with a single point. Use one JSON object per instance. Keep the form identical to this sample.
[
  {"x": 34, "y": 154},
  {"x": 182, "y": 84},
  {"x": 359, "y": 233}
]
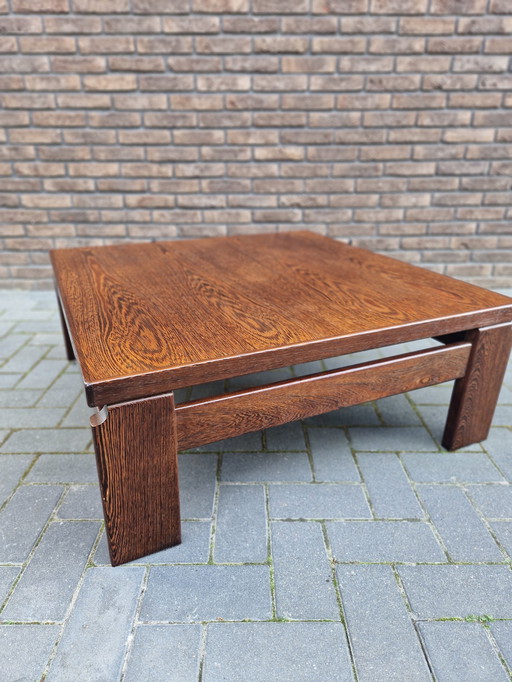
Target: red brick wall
[{"x": 383, "y": 122}]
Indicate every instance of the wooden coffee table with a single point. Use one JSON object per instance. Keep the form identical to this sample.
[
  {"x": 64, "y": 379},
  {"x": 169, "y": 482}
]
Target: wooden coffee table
[{"x": 146, "y": 319}]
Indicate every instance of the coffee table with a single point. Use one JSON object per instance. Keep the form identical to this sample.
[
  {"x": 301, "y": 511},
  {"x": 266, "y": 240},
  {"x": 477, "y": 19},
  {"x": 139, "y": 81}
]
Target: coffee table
[{"x": 146, "y": 319}]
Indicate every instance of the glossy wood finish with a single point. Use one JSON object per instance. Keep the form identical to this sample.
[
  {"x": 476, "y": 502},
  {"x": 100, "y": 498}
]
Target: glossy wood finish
[
  {"x": 136, "y": 454},
  {"x": 145, "y": 318},
  {"x": 475, "y": 395},
  {"x": 212, "y": 419}
]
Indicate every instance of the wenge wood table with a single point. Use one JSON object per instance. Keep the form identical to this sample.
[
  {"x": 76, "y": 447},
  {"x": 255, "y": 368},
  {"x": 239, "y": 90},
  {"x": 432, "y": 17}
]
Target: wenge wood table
[{"x": 146, "y": 319}]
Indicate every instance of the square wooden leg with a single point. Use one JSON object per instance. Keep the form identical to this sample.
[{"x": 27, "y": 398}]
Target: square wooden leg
[
  {"x": 136, "y": 455},
  {"x": 475, "y": 395}
]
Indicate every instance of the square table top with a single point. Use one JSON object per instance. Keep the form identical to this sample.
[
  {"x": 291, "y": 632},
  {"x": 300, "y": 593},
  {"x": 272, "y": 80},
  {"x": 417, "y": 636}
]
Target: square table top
[{"x": 146, "y": 318}]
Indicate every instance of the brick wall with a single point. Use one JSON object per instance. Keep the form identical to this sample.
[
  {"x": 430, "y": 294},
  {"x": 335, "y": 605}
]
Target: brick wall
[{"x": 383, "y": 122}]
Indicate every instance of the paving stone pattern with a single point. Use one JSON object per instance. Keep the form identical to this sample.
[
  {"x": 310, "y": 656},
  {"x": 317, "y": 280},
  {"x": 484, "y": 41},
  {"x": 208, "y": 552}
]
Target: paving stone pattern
[{"x": 349, "y": 546}]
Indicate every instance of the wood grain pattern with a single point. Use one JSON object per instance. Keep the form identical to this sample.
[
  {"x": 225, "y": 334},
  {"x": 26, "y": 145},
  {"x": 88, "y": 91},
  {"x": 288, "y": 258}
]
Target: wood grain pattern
[
  {"x": 136, "y": 455},
  {"x": 209, "y": 420},
  {"x": 475, "y": 395},
  {"x": 146, "y": 318}
]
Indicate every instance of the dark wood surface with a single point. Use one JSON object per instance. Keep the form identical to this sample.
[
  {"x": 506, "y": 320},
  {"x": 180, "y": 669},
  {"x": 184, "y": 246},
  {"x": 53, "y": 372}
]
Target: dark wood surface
[
  {"x": 147, "y": 318},
  {"x": 212, "y": 419},
  {"x": 475, "y": 394},
  {"x": 136, "y": 454}
]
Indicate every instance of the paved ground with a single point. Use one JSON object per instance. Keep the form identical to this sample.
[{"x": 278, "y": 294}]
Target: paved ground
[{"x": 346, "y": 547}]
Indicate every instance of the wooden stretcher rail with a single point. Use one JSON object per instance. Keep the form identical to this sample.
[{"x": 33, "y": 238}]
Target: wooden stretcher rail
[{"x": 212, "y": 419}]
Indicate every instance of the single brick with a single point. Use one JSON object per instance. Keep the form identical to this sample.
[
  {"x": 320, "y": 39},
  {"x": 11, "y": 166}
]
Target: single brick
[
  {"x": 46, "y": 587},
  {"x": 391, "y": 494},
  {"x": 98, "y": 652},
  {"x": 26, "y": 648},
  {"x": 155, "y": 645},
  {"x": 383, "y": 638},
  {"x": 383, "y": 541},
  {"x": 458, "y": 651},
  {"x": 453, "y": 467},
  {"x": 23, "y": 518},
  {"x": 325, "y": 501},
  {"x": 12, "y": 467},
  {"x": 458, "y": 591},
  {"x": 241, "y": 526},
  {"x": 301, "y": 652},
  {"x": 460, "y": 528},
  {"x": 332, "y": 458},
  {"x": 207, "y": 593},
  {"x": 302, "y": 573}
]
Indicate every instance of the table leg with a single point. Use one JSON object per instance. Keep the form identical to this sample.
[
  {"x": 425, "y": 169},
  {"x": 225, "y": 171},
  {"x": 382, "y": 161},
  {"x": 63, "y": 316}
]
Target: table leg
[
  {"x": 136, "y": 454},
  {"x": 476, "y": 393}
]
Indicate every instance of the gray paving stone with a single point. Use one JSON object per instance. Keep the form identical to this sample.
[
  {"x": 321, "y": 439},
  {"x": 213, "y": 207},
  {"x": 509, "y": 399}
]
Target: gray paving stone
[
  {"x": 382, "y": 635},
  {"x": 23, "y": 518},
  {"x": 318, "y": 501},
  {"x": 332, "y": 458},
  {"x": 46, "y": 587},
  {"x": 48, "y": 440},
  {"x": 194, "y": 548},
  {"x": 12, "y": 468},
  {"x": 241, "y": 528},
  {"x": 458, "y": 591},
  {"x": 95, "y": 654},
  {"x": 8, "y": 380},
  {"x": 383, "y": 541},
  {"x": 502, "y": 633},
  {"x": 502, "y": 415},
  {"x": 24, "y": 359},
  {"x": 22, "y": 313},
  {"x": 7, "y": 577},
  {"x": 25, "y": 650},
  {"x": 302, "y": 572},
  {"x": 63, "y": 392},
  {"x": 494, "y": 501},
  {"x": 19, "y": 418},
  {"x": 450, "y": 467},
  {"x": 286, "y": 437},
  {"x": 5, "y": 326},
  {"x": 10, "y": 344},
  {"x": 503, "y": 531},
  {"x": 461, "y": 651},
  {"x": 395, "y": 438},
  {"x": 198, "y": 593},
  {"x": 82, "y": 502},
  {"x": 465, "y": 536},
  {"x": 266, "y": 466},
  {"x": 499, "y": 446},
  {"x": 3, "y": 435},
  {"x": 19, "y": 398},
  {"x": 43, "y": 373},
  {"x": 267, "y": 652},
  {"x": 197, "y": 485},
  {"x": 167, "y": 653},
  {"x": 47, "y": 339},
  {"x": 63, "y": 469},
  {"x": 79, "y": 414},
  {"x": 391, "y": 494},
  {"x": 397, "y": 411}
]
